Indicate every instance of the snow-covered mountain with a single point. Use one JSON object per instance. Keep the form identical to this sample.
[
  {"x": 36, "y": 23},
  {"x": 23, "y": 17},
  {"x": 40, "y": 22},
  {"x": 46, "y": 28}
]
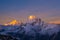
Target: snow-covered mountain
[{"x": 31, "y": 31}]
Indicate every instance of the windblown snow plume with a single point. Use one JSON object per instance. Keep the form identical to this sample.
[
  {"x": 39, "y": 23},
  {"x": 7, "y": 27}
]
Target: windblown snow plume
[{"x": 35, "y": 30}]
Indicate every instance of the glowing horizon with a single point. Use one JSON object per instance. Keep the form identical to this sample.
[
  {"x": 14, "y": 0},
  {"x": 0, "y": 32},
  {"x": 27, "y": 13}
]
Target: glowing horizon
[
  {"x": 31, "y": 17},
  {"x": 49, "y": 11}
]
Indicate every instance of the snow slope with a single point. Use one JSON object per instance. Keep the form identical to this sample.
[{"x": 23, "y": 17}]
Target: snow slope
[{"x": 31, "y": 29}]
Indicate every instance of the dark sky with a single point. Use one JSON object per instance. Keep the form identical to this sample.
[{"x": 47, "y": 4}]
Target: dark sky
[{"x": 48, "y": 10}]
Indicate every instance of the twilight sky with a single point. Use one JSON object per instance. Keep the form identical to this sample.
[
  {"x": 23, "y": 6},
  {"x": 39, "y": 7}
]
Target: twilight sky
[{"x": 47, "y": 10}]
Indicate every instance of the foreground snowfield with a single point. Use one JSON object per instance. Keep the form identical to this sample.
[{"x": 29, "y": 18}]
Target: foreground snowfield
[{"x": 30, "y": 31}]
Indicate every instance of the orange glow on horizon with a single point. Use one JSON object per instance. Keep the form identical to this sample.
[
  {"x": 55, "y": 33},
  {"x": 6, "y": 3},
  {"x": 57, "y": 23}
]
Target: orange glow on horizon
[
  {"x": 5, "y": 24},
  {"x": 32, "y": 17},
  {"x": 55, "y": 22},
  {"x": 13, "y": 22}
]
